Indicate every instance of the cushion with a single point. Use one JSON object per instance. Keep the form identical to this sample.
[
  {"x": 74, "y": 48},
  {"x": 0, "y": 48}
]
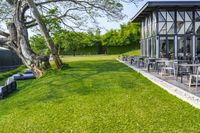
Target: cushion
[
  {"x": 1, "y": 89},
  {"x": 23, "y": 76},
  {"x": 10, "y": 80},
  {"x": 28, "y": 72}
]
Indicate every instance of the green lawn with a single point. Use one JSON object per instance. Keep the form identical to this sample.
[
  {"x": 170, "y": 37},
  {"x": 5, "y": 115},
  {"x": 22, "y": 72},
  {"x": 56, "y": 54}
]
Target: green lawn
[
  {"x": 96, "y": 94},
  {"x": 134, "y": 52}
]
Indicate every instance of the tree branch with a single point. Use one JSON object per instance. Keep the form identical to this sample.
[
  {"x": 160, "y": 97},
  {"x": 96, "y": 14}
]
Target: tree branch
[{"x": 2, "y": 33}]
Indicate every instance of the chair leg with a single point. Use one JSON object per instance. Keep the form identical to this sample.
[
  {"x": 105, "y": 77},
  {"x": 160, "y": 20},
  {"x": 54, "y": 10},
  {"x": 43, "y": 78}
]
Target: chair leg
[
  {"x": 190, "y": 81},
  {"x": 174, "y": 75},
  {"x": 196, "y": 81}
]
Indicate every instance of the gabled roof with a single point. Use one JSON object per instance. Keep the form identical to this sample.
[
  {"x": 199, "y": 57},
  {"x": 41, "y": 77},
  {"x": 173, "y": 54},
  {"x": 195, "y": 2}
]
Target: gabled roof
[{"x": 152, "y": 5}]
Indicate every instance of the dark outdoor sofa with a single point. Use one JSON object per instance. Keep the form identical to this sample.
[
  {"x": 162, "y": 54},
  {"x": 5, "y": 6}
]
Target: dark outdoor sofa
[
  {"x": 8, "y": 89},
  {"x": 11, "y": 84}
]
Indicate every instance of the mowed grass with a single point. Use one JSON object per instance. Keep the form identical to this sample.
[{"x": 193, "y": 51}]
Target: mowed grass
[
  {"x": 136, "y": 52},
  {"x": 99, "y": 95},
  {"x": 89, "y": 58}
]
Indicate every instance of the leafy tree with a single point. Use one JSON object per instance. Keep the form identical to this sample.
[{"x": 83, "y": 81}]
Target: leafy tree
[
  {"x": 127, "y": 35},
  {"x": 38, "y": 45},
  {"x": 22, "y": 15},
  {"x": 70, "y": 40}
]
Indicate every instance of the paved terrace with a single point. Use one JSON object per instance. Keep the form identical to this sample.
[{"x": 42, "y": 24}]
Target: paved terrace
[{"x": 170, "y": 84}]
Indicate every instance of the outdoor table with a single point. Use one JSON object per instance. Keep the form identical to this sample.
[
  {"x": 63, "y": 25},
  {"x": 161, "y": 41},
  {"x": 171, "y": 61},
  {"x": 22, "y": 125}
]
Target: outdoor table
[
  {"x": 150, "y": 62},
  {"x": 132, "y": 59},
  {"x": 185, "y": 65},
  {"x": 139, "y": 59},
  {"x": 159, "y": 61}
]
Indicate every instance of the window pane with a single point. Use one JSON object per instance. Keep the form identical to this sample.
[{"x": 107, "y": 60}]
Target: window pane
[
  {"x": 163, "y": 47},
  {"x": 149, "y": 47},
  {"x": 180, "y": 48},
  {"x": 180, "y": 27},
  {"x": 162, "y": 27},
  {"x": 179, "y": 17},
  {"x": 164, "y": 15},
  {"x": 154, "y": 17},
  {"x": 153, "y": 51},
  {"x": 188, "y": 48},
  {"x": 197, "y": 27},
  {"x": 185, "y": 48},
  {"x": 154, "y": 29},
  {"x": 171, "y": 47},
  {"x": 182, "y": 14},
  {"x": 169, "y": 17},
  {"x": 188, "y": 16},
  {"x": 197, "y": 16},
  {"x": 149, "y": 26},
  {"x": 160, "y": 17},
  {"x": 169, "y": 25},
  {"x": 171, "y": 29},
  {"x": 188, "y": 27},
  {"x": 172, "y": 14},
  {"x": 198, "y": 47}
]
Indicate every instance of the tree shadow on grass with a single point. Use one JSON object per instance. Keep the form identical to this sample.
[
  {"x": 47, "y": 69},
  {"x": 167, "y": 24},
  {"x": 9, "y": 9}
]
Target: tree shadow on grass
[{"x": 69, "y": 81}]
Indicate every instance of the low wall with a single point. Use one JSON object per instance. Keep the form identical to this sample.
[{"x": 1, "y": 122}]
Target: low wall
[{"x": 8, "y": 60}]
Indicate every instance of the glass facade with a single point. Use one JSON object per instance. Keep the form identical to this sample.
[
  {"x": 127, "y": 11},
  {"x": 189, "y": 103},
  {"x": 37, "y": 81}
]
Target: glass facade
[
  {"x": 148, "y": 35},
  {"x": 177, "y": 33}
]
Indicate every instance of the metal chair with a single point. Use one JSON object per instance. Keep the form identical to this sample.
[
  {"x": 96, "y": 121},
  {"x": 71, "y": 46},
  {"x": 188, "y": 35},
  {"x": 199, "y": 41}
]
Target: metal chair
[
  {"x": 195, "y": 77},
  {"x": 169, "y": 66}
]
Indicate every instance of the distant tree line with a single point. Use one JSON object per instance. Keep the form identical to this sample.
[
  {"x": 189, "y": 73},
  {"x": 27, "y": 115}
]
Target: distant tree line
[{"x": 71, "y": 43}]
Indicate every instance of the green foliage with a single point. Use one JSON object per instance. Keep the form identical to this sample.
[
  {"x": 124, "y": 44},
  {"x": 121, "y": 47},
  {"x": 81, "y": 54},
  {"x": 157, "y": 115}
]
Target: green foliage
[
  {"x": 67, "y": 41},
  {"x": 97, "y": 94},
  {"x": 73, "y": 43},
  {"x": 127, "y": 35},
  {"x": 53, "y": 23},
  {"x": 38, "y": 44}
]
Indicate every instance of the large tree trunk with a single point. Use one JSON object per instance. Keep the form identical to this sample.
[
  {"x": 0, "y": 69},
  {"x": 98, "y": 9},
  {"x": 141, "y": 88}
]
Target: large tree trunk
[
  {"x": 19, "y": 42},
  {"x": 45, "y": 32}
]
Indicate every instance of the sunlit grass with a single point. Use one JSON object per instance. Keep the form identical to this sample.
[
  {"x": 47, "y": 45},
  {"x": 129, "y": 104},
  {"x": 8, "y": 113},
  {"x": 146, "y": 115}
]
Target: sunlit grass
[
  {"x": 95, "y": 94},
  {"x": 88, "y": 58},
  {"x": 134, "y": 52}
]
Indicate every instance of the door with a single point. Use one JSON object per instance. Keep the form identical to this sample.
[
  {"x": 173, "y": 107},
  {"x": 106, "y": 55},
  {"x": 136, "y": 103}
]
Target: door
[
  {"x": 184, "y": 47},
  {"x": 167, "y": 47}
]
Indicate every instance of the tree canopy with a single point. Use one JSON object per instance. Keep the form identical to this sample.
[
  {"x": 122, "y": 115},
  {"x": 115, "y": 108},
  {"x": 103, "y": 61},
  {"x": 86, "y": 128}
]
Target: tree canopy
[
  {"x": 70, "y": 41},
  {"x": 21, "y": 15}
]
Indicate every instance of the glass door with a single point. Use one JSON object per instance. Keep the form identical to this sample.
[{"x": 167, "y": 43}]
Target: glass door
[
  {"x": 197, "y": 53},
  {"x": 163, "y": 47},
  {"x": 167, "y": 47},
  {"x": 149, "y": 48},
  {"x": 184, "y": 48},
  {"x": 170, "y": 45},
  {"x": 188, "y": 48},
  {"x": 181, "y": 47},
  {"x": 198, "y": 46}
]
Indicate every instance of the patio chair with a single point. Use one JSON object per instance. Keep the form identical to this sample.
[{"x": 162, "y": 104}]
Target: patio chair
[
  {"x": 194, "y": 77},
  {"x": 150, "y": 63},
  {"x": 169, "y": 66}
]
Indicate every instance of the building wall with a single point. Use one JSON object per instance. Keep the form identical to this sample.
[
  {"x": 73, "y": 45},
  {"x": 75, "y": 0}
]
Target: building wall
[
  {"x": 172, "y": 33},
  {"x": 148, "y": 35},
  {"x": 8, "y": 59}
]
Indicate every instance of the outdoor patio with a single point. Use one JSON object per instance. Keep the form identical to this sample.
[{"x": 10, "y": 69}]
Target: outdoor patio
[{"x": 173, "y": 83}]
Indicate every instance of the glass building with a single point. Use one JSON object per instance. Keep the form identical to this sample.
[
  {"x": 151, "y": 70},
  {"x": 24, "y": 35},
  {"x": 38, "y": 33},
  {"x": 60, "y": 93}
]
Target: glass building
[{"x": 170, "y": 29}]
